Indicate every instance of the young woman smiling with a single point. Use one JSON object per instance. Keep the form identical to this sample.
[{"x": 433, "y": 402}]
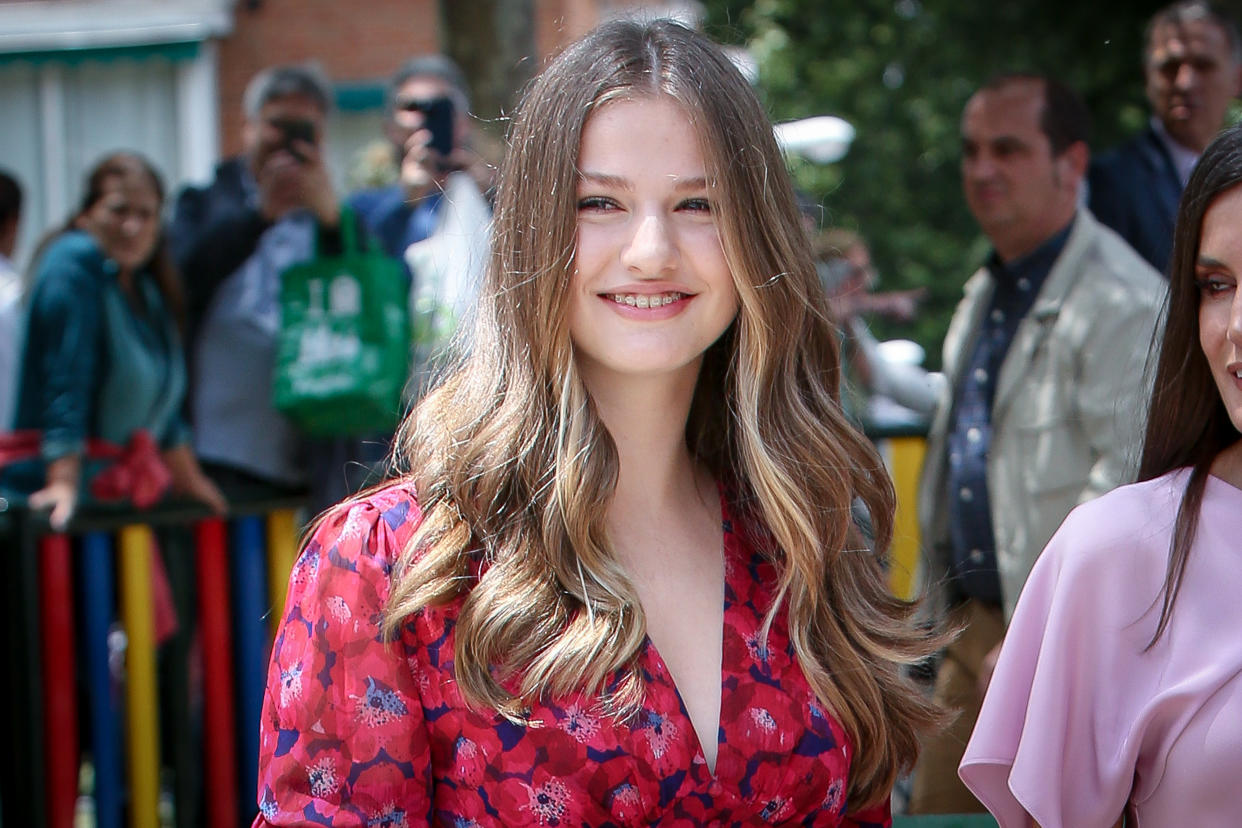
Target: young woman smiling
[{"x": 618, "y": 583}]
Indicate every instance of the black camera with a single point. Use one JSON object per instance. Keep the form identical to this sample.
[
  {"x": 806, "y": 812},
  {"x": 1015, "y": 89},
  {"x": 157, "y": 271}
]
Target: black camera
[
  {"x": 437, "y": 118},
  {"x": 293, "y": 130}
]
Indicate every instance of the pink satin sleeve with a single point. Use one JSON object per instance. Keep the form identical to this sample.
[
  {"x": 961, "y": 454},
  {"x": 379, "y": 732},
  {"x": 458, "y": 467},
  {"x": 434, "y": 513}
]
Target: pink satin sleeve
[{"x": 1056, "y": 738}]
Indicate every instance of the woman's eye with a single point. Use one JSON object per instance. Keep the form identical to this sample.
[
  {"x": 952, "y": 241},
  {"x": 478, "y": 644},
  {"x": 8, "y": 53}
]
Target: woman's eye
[
  {"x": 1214, "y": 285},
  {"x": 696, "y": 205},
  {"x": 596, "y": 203}
]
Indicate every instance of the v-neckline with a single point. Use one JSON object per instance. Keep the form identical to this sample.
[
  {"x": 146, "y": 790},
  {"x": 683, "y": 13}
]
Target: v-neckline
[{"x": 657, "y": 659}]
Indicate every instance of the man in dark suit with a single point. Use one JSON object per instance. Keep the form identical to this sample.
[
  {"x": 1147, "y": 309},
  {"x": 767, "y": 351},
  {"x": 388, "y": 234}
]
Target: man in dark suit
[{"x": 1192, "y": 63}]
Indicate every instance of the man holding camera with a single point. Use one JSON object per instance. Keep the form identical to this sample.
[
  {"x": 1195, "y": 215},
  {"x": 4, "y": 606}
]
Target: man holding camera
[
  {"x": 232, "y": 239},
  {"x": 428, "y": 125},
  {"x": 435, "y": 217}
]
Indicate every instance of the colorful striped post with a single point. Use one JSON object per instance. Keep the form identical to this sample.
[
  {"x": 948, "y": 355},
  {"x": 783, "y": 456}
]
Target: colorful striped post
[
  {"x": 60, "y": 723},
  {"x": 282, "y": 551},
  {"x": 98, "y": 597},
  {"x": 251, "y": 607},
  {"x": 136, "y": 548},
  {"x": 905, "y": 465},
  {"x": 219, "y": 723}
]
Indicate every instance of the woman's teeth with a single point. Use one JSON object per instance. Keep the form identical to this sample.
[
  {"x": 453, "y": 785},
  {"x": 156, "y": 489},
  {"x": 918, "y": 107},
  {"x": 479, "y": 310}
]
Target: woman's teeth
[{"x": 645, "y": 300}]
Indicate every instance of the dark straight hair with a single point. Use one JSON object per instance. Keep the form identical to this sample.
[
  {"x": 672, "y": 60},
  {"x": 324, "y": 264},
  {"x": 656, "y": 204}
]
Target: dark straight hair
[
  {"x": 1064, "y": 118},
  {"x": 1187, "y": 423}
]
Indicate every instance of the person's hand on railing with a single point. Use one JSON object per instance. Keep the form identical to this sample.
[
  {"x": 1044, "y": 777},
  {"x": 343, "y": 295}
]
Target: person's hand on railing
[
  {"x": 188, "y": 479},
  {"x": 61, "y": 492}
]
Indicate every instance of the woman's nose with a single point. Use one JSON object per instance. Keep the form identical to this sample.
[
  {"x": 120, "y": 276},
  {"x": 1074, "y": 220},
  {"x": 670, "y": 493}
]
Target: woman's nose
[
  {"x": 651, "y": 251},
  {"x": 133, "y": 225},
  {"x": 1234, "y": 331}
]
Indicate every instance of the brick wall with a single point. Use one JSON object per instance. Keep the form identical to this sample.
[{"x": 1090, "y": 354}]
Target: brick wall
[
  {"x": 352, "y": 41},
  {"x": 357, "y": 41}
]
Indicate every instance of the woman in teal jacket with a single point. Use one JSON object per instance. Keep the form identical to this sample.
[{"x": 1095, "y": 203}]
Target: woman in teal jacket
[{"x": 102, "y": 356}]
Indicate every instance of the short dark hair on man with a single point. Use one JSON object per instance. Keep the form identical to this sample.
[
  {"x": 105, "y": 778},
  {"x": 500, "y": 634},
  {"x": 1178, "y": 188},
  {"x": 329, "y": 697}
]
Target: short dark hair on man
[
  {"x": 276, "y": 82},
  {"x": 1189, "y": 11},
  {"x": 1065, "y": 119},
  {"x": 10, "y": 198},
  {"x": 433, "y": 66}
]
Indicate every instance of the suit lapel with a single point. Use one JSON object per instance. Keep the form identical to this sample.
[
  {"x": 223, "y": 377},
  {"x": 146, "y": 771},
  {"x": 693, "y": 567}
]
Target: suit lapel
[{"x": 1167, "y": 185}]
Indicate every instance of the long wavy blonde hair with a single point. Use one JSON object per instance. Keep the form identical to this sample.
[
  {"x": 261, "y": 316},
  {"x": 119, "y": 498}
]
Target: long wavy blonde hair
[{"x": 514, "y": 469}]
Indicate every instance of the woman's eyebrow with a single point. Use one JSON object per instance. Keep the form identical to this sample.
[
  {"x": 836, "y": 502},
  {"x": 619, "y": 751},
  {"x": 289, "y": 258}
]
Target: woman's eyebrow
[
  {"x": 606, "y": 180},
  {"x": 698, "y": 182}
]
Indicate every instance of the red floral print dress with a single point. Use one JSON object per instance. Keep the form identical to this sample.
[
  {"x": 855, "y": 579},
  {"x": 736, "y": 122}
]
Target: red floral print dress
[{"x": 359, "y": 732}]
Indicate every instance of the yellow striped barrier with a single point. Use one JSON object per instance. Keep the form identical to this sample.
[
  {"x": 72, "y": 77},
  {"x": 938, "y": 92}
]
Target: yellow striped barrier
[
  {"x": 282, "y": 550},
  {"x": 905, "y": 463},
  {"x": 142, "y": 708}
]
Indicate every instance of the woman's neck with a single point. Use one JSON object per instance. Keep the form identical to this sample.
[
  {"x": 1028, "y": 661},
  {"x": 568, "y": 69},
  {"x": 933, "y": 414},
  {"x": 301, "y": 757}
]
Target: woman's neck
[
  {"x": 646, "y": 417},
  {"x": 1228, "y": 465}
]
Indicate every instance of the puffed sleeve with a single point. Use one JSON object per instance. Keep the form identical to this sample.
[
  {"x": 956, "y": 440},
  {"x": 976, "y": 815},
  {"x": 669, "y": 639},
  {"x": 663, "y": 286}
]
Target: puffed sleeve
[
  {"x": 342, "y": 738},
  {"x": 1057, "y": 737}
]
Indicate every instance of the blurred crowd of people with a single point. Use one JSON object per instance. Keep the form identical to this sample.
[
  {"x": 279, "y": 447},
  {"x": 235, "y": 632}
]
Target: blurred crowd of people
[{"x": 142, "y": 320}]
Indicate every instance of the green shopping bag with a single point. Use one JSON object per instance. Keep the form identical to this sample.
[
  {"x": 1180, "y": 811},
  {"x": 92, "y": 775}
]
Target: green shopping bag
[{"x": 343, "y": 352}]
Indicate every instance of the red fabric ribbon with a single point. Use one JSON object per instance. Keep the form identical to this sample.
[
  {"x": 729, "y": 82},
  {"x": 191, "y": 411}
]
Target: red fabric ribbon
[{"x": 137, "y": 475}]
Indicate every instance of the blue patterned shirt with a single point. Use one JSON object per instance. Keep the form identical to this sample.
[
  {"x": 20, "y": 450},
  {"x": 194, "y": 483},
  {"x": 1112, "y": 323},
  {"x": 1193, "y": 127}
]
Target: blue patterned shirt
[{"x": 1017, "y": 285}]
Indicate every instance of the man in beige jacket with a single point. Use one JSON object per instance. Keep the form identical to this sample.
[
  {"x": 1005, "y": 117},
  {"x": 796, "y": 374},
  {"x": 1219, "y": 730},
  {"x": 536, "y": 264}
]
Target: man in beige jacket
[{"x": 1044, "y": 402}]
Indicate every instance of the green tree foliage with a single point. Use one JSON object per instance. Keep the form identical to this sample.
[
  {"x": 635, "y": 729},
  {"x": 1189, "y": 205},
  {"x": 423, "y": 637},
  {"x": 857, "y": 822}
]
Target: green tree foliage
[{"x": 900, "y": 71}]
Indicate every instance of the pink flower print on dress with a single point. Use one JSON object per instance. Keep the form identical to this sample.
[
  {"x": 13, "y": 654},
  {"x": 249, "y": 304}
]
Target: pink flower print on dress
[
  {"x": 625, "y": 803},
  {"x": 291, "y": 684},
  {"x": 338, "y": 609},
  {"x": 392, "y": 816},
  {"x": 549, "y": 801},
  {"x": 763, "y": 720},
  {"x": 757, "y": 647},
  {"x": 660, "y": 733},
  {"x": 763, "y": 730},
  {"x": 323, "y": 779},
  {"x": 380, "y": 706},
  {"x": 777, "y": 809},
  {"x": 579, "y": 723},
  {"x": 356, "y": 525},
  {"x": 469, "y": 761},
  {"x": 307, "y": 564},
  {"x": 834, "y": 800}
]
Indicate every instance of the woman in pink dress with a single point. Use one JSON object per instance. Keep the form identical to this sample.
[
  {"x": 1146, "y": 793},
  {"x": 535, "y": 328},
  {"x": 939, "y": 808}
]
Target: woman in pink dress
[
  {"x": 1119, "y": 686},
  {"x": 617, "y": 582}
]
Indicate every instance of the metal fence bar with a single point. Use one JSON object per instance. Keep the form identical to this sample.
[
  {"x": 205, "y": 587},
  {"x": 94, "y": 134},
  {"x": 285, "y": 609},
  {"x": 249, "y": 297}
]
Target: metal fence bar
[
  {"x": 142, "y": 708},
  {"x": 98, "y": 610},
  {"x": 60, "y": 723},
  {"x": 906, "y": 463},
  {"x": 219, "y": 720},
  {"x": 250, "y": 604}
]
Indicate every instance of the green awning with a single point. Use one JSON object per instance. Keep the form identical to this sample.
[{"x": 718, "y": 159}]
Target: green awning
[{"x": 106, "y": 54}]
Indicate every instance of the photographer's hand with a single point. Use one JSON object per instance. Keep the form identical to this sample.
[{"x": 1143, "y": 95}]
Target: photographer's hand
[
  {"x": 420, "y": 164},
  {"x": 280, "y": 186},
  {"x": 316, "y": 190}
]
